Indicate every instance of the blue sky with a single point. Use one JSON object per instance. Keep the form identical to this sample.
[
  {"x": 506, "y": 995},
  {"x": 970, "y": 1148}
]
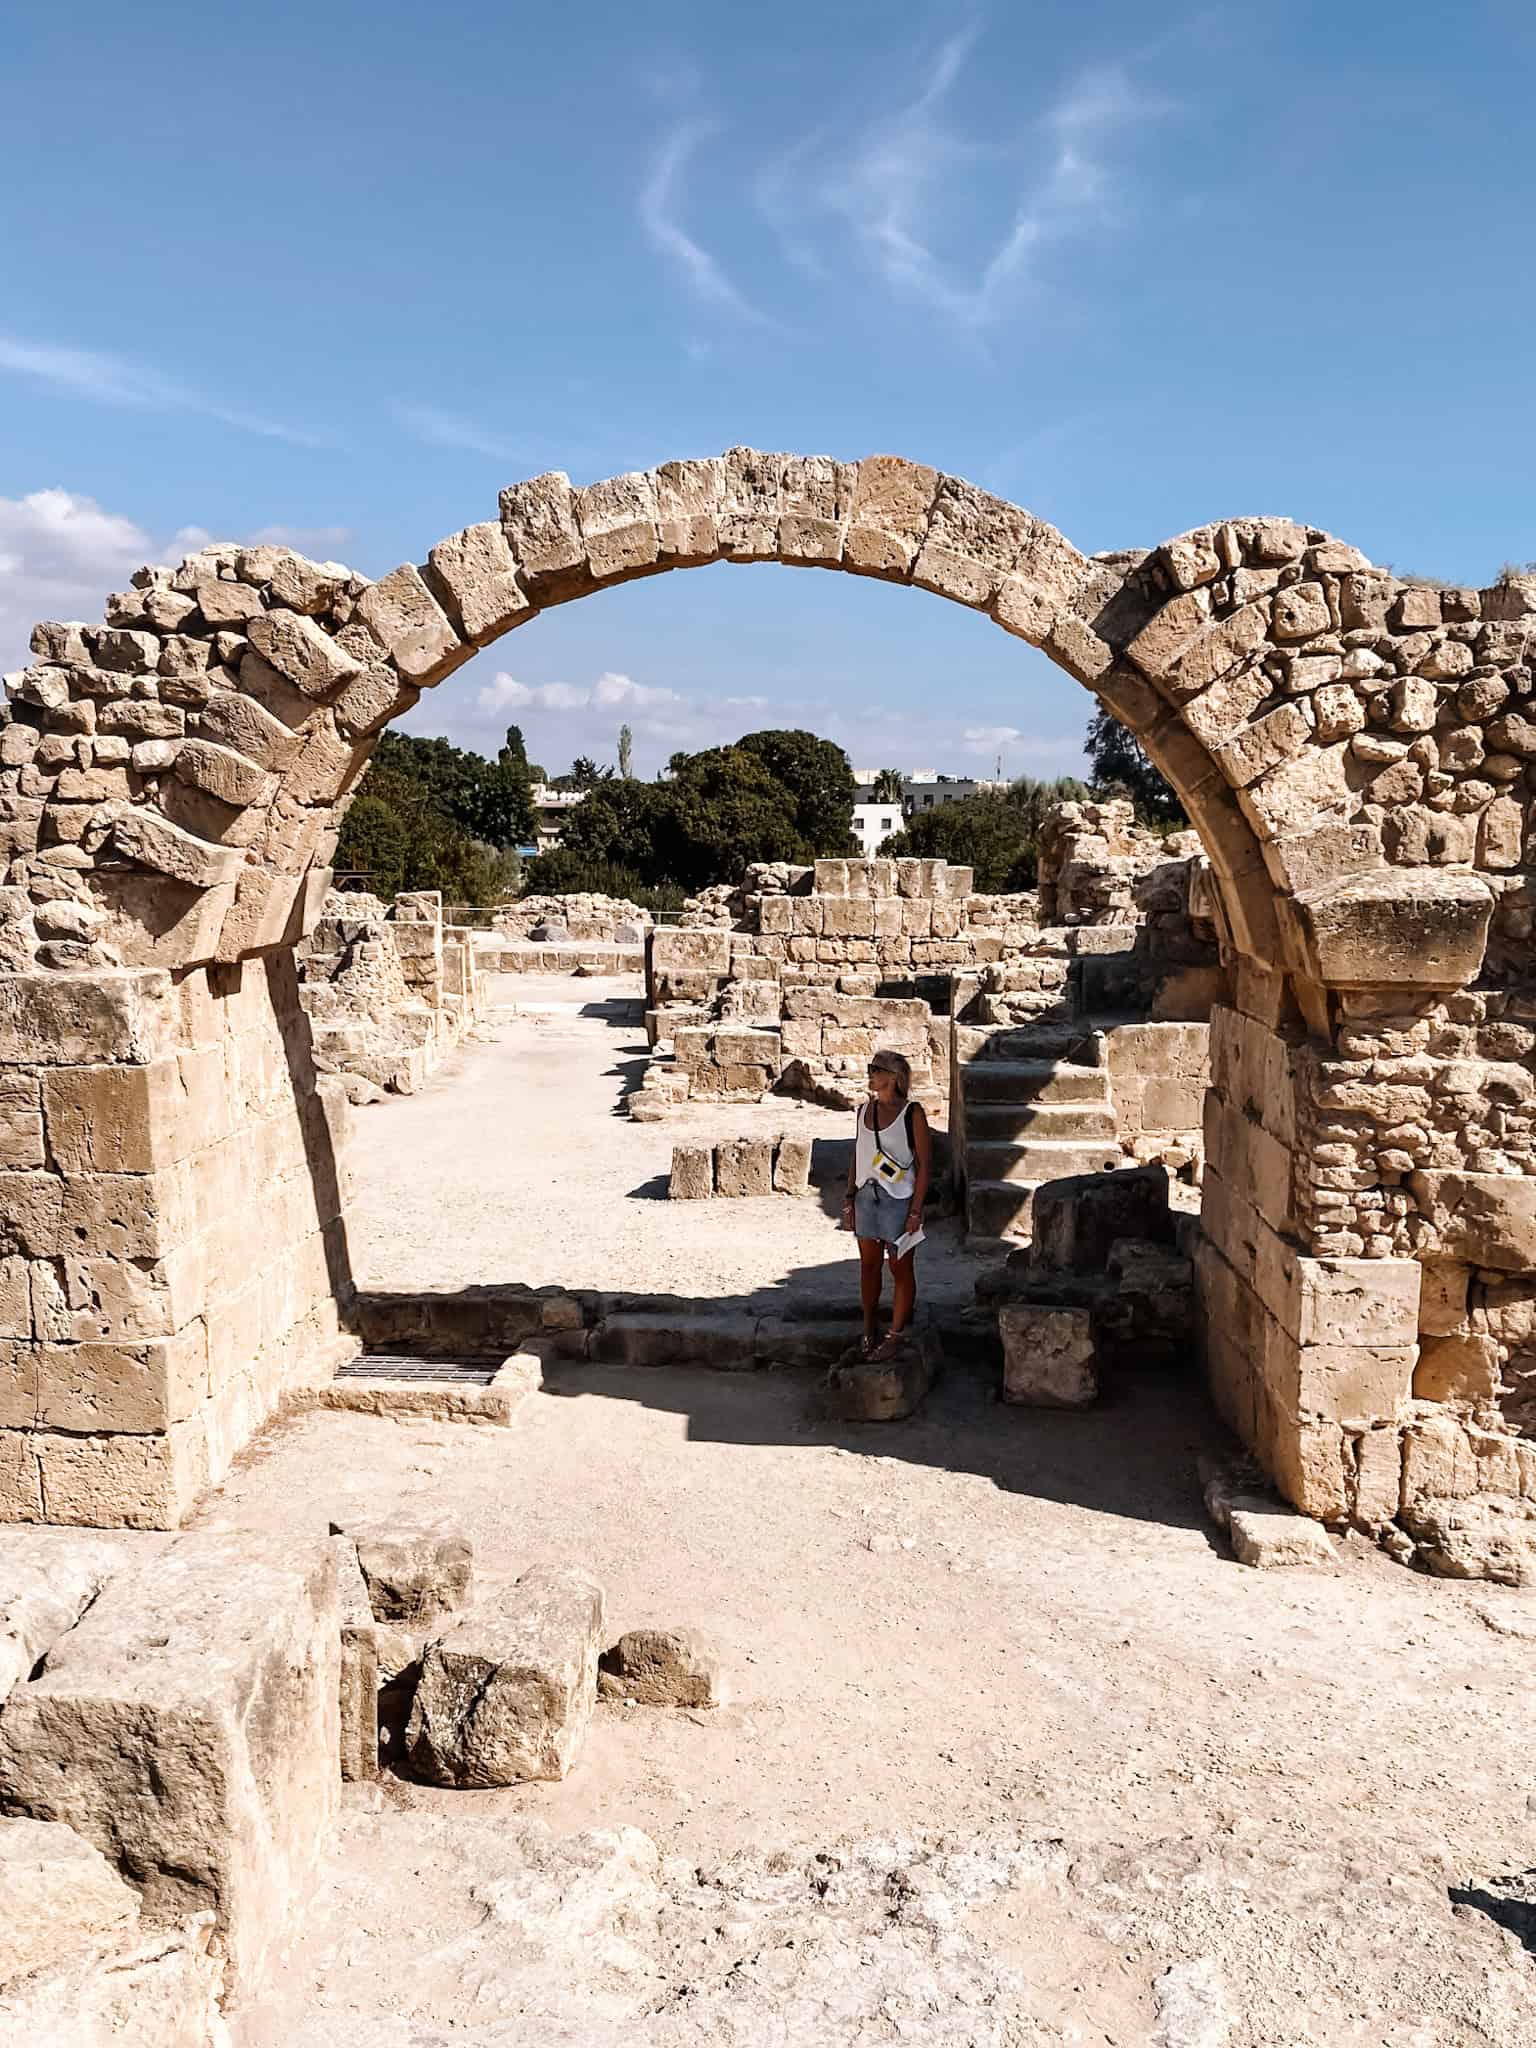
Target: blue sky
[{"x": 337, "y": 272}]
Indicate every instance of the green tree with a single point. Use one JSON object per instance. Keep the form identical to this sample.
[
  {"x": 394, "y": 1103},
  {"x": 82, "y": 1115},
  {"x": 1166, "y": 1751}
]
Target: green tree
[
  {"x": 1119, "y": 764},
  {"x": 820, "y": 784},
  {"x": 489, "y": 800},
  {"x": 887, "y": 787},
  {"x": 626, "y": 753}
]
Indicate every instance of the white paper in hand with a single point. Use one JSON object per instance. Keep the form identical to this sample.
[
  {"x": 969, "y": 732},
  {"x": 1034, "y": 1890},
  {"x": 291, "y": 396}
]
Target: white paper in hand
[{"x": 908, "y": 1239}]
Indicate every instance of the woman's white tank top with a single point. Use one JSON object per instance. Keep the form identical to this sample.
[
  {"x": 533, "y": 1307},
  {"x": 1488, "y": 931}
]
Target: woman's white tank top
[{"x": 892, "y": 1144}]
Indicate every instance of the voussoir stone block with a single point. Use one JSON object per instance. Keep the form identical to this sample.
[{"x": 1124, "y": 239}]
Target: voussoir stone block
[
  {"x": 618, "y": 525},
  {"x": 476, "y": 571},
  {"x": 539, "y": 520},
  {"x": 888, "y": 516},
  {"x": 1049, "y": 1358},
  {"x": 507, "y": 1695},
  {"x": 409, "y": 624},
  {"x": 187, "y": 1727},
  {"x": 688, "y": 497},
  {"x": 302, "y": 652},
  {"x": 415, "y": 1574}
]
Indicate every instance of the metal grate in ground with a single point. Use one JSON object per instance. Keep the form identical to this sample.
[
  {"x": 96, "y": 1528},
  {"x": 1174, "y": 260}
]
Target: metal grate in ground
[{"x": 453, "y": 1372}]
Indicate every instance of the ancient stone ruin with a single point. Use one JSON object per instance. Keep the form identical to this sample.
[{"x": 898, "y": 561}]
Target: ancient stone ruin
[{"x": 1352, "y": 751}]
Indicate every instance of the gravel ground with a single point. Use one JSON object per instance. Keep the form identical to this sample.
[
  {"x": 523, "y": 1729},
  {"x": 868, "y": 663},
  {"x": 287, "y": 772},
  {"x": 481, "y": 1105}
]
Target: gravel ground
[
  {"x": 1016, "y": 1755},
  {"x": 517, "y": 1162}
]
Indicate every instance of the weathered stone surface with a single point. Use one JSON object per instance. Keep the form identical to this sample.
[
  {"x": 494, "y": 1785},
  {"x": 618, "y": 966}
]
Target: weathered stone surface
[
  {"x": 141, "y": 1734},
  {"x": 223, "y": 773},
  {"x": 359, "y": 1679},
  {"x": 408, "y": 623},
  {"x": 1265, "y": 1534},
  {"x": 61, "y": 1898},
  {"x": 860, "y": 1389},
  {"x": 617, "y": 519},
  {"x": 792, "y": 1166},
  {"x": 302, "y": 652},
  {"x": 1488, "y": 1536},
  {"x": 507, "y": 1694},
  {"x": 664, "y": 1667},
  {"x": 539, "y": 520},
  {"x": 1078, "y": 1220},
  {"x": 888, "y": 516},
  {"x": 1396, "y": 927},
  {"x": 161, "y": 1990},
  {"x": 693, "y": 1173},
  {"x": 1049, "y": 1358},
  {"x": 415, "y": 1574},
  {"x": 479, "y": 578},
  {"x": 154, "y": 842},
  {"x": 48, "y": 1578}
]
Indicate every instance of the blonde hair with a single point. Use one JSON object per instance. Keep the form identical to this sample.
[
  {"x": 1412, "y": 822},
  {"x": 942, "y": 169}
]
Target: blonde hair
[{"x": 894, "y": 1063}]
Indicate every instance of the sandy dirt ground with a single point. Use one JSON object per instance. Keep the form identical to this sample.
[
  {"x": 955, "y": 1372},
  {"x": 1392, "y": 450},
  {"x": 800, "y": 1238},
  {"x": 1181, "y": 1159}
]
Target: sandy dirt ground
[
  {"x": 516, "y": 1162},
  {"x": 1016, "y": 1753}
]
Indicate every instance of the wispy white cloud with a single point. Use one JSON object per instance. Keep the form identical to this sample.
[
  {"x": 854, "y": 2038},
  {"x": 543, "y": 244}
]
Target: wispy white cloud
[
  {"x": 112, "y": 380},
  {"x": 505, "y": 693},
  {"x": 440, "y": 429},
  {"x": 908, "y": 186},
  {"x": 660, "y": 202}
]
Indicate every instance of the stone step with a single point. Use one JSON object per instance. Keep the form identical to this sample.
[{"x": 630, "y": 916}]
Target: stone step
[
  {"x": 1058, "y": 1121},
  {"x": 1033, "y": 1080},
  {"x": 1023, "y": 1041},
  {"x": 998, "y": 1208},
  {"x": 1035, "y": 1160}
]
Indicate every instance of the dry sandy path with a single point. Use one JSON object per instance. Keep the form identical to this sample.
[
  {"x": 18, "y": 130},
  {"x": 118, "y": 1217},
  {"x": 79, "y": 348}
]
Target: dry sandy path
[{"x": 516, "y": 1163}]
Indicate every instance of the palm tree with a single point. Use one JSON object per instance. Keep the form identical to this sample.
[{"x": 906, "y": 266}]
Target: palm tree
[{"x": 887, "y": 787}]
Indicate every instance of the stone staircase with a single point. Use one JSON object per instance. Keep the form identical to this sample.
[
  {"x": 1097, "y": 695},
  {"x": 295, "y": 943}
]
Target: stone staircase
[{"x": 1033, "y": 1105}]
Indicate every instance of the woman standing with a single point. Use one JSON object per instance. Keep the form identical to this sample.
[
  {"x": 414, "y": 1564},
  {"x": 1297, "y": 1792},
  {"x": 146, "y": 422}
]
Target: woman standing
[{"x": 887, "y": 1185}]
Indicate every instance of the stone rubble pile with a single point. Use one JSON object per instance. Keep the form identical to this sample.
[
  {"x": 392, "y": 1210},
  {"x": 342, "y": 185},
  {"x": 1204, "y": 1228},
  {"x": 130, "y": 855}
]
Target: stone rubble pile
[
  {"x": 389, "y": 991},
  {"x": 580, "y": 916}
]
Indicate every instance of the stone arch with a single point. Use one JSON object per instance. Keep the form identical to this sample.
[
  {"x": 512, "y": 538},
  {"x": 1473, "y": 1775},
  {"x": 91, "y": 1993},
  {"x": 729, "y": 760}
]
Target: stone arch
[{"x": 1351, "y": 748}]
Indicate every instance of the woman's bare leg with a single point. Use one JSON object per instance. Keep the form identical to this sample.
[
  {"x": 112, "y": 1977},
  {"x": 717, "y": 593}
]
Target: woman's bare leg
[
  {"x": 903, "y": 1292},
  {"x": 871, "y": 1260}
]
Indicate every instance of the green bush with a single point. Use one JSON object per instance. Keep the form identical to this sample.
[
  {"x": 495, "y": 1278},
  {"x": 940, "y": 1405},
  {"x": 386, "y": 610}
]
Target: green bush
[{"x": 564, "y": 872}]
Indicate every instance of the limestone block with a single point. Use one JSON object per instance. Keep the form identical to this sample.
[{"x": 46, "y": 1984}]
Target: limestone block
[
  {"x": 1487, "y": 1537},
  {"x": 750, "y": 504},
  {"x": 222, "y": 773},
  {"x": 1461, "y": 1367},
  {"x": 1266, "y": 1536},
  {"x": 358, "y": 1684},
  {"x": 21, "y": 1121},
  {"x": 142, "y": 836},
  {"x": 861, "y": 1389},
  {"x": 48, "y": 1578},
  {"x": 618, "y": 525},
  {"x": 1077, "y": 1220},
  {"x": 774, "y": 913},
  {"x": 408, "y": 623},
  {"x": 478, "y": 578},
  {"x": 302, "y": 652},
  {"x": 848, "y": 917},
  {"x": 1443, "y": 1298},
  {"x": 749, "y": 1047},
  {"x": 816, "y": 492},
  {"x": 1344, "y": 1382},
  {"x": 141, "y": 1734},
  {"x": 415, "y": 1572},
  {"x": 507, "y": 1694},
  {"x": 888, "y": 516},
  {"x": 744, "y": 1166},
  {"x": 792, "y": 1166},
  {"x": 831, "y": 878},
  {"x": 62, "y": 1898},
  {"x": 1049, "y": 1360},
  {"x": 1254, "y": 750},
  {"x": 159, "y": 1990},
  {"x": 972, "y": 542},
  {"x": 688, "y": 496},
  {"x": 664, "y": 1667},
  {"x": 693, "y": 1175},
  {"x": 1392, "y": 928}
]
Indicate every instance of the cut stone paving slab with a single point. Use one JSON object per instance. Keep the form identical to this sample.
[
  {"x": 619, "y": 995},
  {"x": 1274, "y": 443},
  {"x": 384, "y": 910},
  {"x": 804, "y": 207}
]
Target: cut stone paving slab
[
  {"x": 507, "y": 1694},
  {"x": 414, "y": 1574}
]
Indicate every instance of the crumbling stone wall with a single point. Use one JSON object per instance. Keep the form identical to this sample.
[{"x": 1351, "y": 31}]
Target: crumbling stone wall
[
  {"x": 580, "y": 915},
  {"x": 1355, "y": 754},
  {"x": 389, "y": 991}
]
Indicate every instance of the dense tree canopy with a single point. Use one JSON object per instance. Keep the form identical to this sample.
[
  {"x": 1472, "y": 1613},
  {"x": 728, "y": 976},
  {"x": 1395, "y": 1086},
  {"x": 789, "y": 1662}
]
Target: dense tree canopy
[
  {"x": 429, "y": 815},
  {"x": 996, "y": 832},
  {"x": 1119, "y": 763},
  {"x": 771, "y": 796}
]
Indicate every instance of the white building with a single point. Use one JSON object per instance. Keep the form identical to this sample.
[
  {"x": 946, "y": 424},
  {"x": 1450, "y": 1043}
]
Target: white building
[
  {"x": 551, "y": 808},
  {"x": 873, "y": 824},
  {"x": 921, "y": 790}
]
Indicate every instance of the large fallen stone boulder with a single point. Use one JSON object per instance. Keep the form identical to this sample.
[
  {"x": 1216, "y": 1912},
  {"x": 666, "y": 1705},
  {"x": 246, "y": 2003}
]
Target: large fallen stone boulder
[
  {"x": 663, "y": 1667},
  {"x": 187, "y": 1726},
  {"x": 1077, "y": 1219},
  {"x": 1485, "y": 1536},
  {"x": 507, "y": 1693}
]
